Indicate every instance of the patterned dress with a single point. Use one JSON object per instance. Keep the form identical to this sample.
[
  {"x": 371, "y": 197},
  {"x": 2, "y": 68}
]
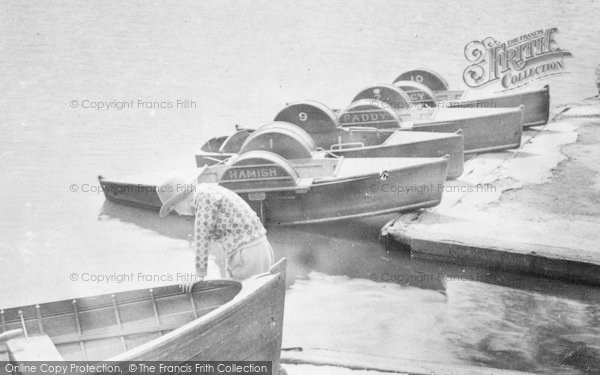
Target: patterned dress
[{"x": 222, "y": 216}]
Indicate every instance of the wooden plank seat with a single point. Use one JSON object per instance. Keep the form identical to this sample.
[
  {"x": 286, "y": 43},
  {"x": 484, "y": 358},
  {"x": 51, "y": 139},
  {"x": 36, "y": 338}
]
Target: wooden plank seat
[{"x": 35, "y": 348}]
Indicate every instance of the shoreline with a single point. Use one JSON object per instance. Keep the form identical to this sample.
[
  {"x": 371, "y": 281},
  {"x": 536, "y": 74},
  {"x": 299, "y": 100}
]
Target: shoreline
[{"x": 542, "y": 216}]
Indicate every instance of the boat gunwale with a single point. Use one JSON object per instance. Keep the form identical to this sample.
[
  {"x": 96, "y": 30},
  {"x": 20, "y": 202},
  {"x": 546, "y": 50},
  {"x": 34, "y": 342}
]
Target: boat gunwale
[
  {"x": 498, "y": 112},
  {"x": 443, "y": 136},
  {"x": 334, "y": 180},
  {"x": 492, "y": 148},
  {"x": 103, "y": 332},
  {"x": 320, "y": 181},
  {"x": 544, "y": 89},
  {"x": 224, "y": 284},
  {"x": 250, "y": 288},
  {"x": 387, "y": 146}
]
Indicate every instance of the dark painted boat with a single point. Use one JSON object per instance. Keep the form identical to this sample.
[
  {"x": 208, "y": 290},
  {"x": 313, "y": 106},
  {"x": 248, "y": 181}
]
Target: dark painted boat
[
  {"x": 310, "y": 189},
  {"x": 536, "y": 102},
  {"x": 368, "y": 137},
  {"x": 219, "y": 320},
  {"x": 484, "y": 129}
]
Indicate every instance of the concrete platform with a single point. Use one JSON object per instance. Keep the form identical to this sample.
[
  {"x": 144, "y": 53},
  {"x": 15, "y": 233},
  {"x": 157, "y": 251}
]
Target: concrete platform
[
  {"x": 535, "y": 209},
  {"x": 369, "y": 364}
]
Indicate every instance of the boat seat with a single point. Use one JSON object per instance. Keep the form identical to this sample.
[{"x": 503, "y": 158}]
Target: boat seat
[
  {"x": 322, "y": 165},
  {"x": 346, "y": 145},
  {"x": 33, "y": 348}
]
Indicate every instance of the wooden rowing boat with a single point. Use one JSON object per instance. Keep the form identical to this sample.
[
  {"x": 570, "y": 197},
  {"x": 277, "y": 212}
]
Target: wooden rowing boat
[
  {"x": 362, "y": 140},
  {"x": 311, "y": 189},
  {"x": 221, "y": 320},
  {"x": 536, "y": 102}
]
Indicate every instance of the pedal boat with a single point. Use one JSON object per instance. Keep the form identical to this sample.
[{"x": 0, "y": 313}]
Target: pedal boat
[
  {"x": 483, "y": 129},
  {"x": 535, "y": 102},
  {"x": 362, "y": 140},
  {"x": 312, "y": 187}
]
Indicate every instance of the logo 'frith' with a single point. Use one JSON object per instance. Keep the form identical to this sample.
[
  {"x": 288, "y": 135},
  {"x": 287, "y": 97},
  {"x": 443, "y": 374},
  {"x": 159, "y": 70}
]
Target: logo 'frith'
[{"x": 516, "y": 62}]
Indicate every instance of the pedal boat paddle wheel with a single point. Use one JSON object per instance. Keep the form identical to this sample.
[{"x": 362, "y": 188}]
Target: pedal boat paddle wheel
[
  {"x": 376, "y": 131},
  {"x": 309, "y": 187},
  {"x": 535, "y": 102}
]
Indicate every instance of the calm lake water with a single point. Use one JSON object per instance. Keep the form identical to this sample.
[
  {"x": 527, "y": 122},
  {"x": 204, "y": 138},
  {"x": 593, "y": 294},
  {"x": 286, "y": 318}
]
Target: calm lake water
[{"x": 229, "y": 62}]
